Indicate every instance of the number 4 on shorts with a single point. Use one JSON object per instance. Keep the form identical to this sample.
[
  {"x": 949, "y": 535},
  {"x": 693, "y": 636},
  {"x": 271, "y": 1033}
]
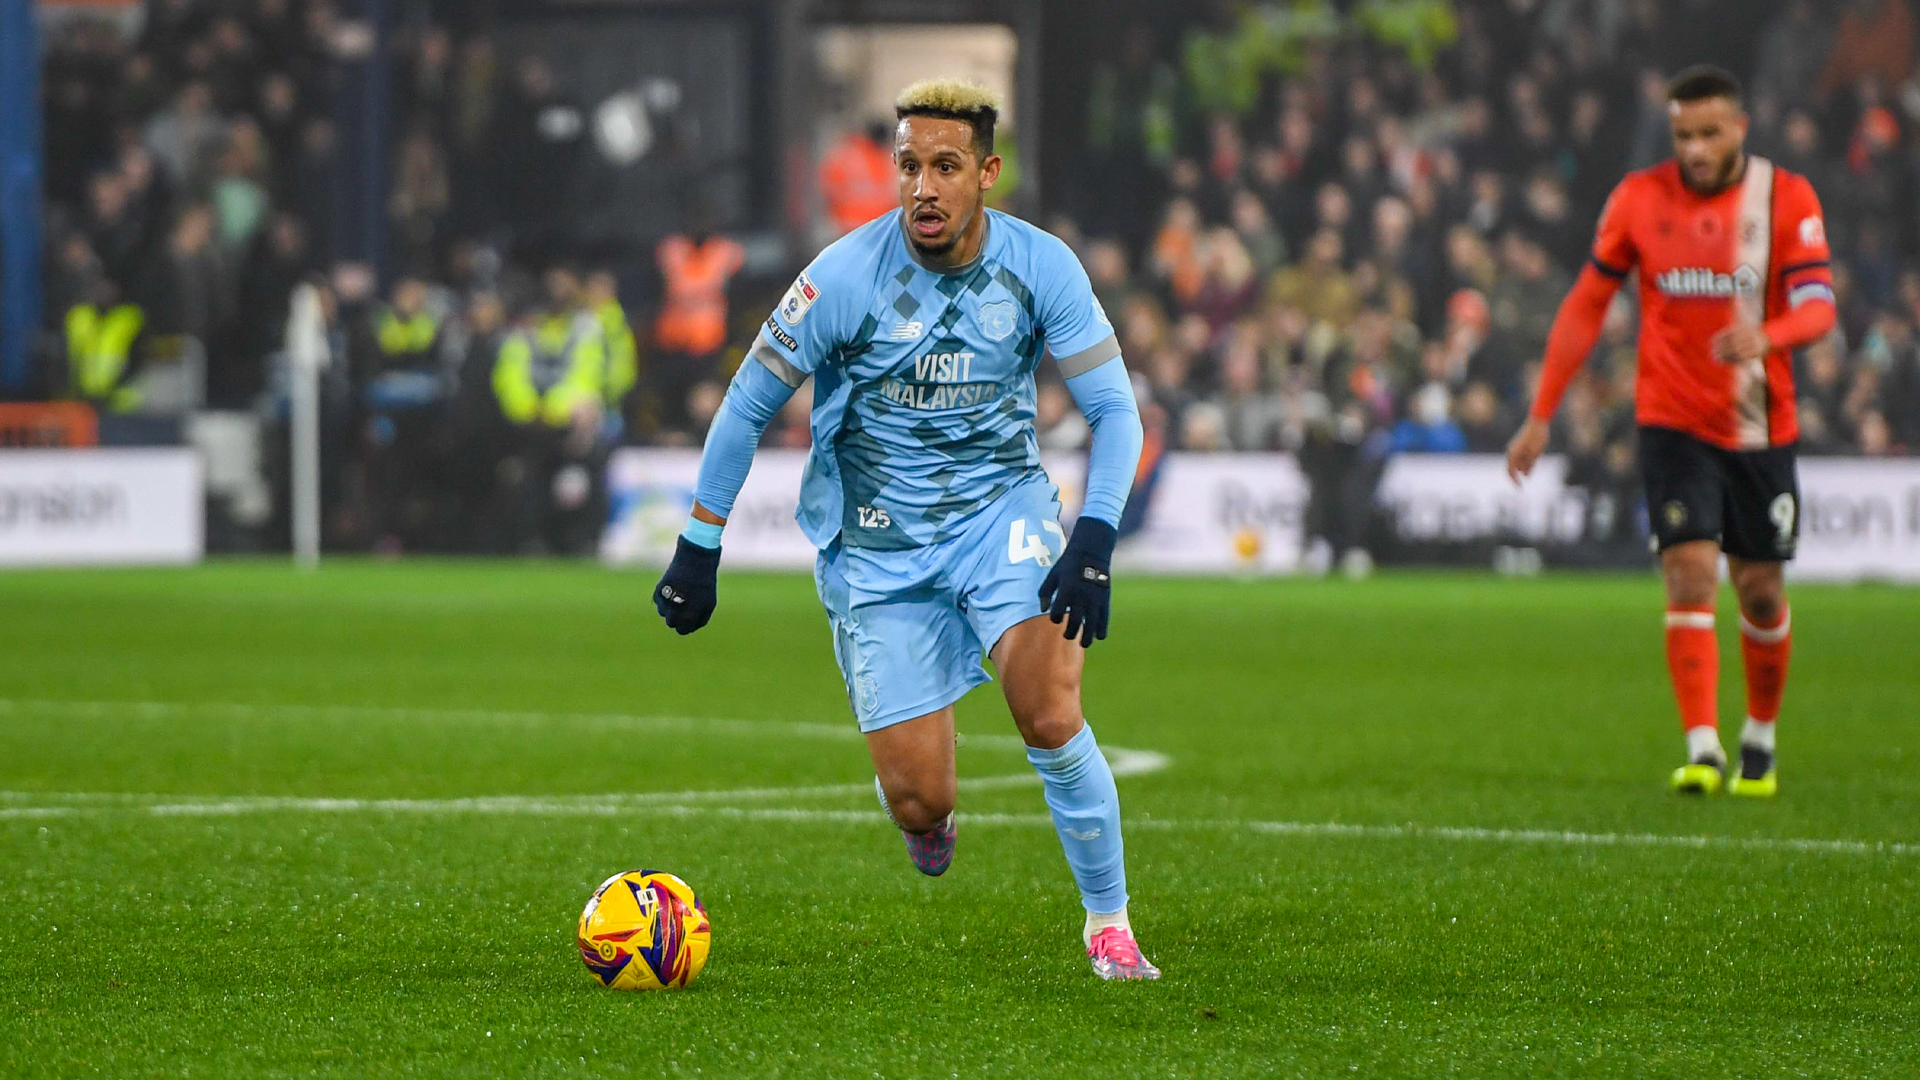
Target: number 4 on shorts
[{"x": 1023, "y": 545}]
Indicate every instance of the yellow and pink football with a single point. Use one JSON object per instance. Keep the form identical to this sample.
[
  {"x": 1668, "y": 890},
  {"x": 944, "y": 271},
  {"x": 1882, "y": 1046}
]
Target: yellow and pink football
[{"x": 644, "y": 930}]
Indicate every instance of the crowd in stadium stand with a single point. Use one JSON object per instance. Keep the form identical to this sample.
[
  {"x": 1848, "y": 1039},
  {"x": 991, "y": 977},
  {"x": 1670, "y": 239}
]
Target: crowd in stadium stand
[
  {"x": 1337, "y": 229},
  {"x": 194, "y": 175},
  {"x": 1369, "y": 234}
]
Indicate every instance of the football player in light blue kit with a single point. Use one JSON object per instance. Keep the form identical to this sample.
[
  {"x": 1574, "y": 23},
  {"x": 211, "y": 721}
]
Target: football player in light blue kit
[{"x": 938, "y": 530}]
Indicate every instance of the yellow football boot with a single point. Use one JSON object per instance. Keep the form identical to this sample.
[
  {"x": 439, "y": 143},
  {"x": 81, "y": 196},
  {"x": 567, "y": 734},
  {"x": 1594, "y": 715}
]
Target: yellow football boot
[
  {"x": 1758, "y": 778},
  {"x": 1699, "y": 778}
]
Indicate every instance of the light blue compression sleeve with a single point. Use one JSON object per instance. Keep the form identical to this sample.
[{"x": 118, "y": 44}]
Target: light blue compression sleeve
[
  {"x": 1105, "y": 398},
  {"x": 756, "y": 396}
]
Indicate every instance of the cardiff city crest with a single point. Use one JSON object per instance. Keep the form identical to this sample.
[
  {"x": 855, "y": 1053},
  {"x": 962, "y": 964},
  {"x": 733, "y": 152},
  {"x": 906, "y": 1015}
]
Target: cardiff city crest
[{"x": 997, "y": 319}]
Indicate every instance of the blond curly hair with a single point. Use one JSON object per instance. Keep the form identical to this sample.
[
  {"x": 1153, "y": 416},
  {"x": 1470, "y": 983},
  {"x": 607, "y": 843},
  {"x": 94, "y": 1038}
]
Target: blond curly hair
[{"x": 954, "y": 99}]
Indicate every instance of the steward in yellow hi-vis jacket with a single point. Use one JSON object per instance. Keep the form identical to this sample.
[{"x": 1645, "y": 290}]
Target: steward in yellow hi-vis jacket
[
  {"x": 405, "y": 332},
  {"x": 623, "y": 353},
  {"x": 404, "y": 393},
  {"x": 551, "y": 380},
  {"x": 546, "y": 373},
  {"x": 102, "y": 336}
]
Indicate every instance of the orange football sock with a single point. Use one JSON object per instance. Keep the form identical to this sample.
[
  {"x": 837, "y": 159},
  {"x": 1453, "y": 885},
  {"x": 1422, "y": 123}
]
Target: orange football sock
[
  {"x": 1693, "y": 657},
  {"x": 1765, "y": 650}
]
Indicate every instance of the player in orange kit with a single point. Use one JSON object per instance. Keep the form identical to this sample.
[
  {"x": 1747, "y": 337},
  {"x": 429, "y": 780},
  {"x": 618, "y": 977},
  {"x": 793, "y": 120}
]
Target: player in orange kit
[{"x": 1734, "y": 276}]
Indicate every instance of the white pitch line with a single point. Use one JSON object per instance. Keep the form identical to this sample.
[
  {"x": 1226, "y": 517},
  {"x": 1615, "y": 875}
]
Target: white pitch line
[
  {"x": 161, "y": 710},
  {"x": 629, "y": 806},
  {"x": 1574, "y": 838},
  {"x": 1126, "y": 762},
  {"x": 1123, "y": 760},
  {"x": 1342, "y": 829}
]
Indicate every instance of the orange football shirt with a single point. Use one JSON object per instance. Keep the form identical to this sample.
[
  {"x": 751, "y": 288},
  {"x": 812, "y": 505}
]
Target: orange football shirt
[{"x": 1703, "y": 265}]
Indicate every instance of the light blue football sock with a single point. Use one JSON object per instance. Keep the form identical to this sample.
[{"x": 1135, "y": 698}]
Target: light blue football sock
[{"x": 1086, "y": 814}]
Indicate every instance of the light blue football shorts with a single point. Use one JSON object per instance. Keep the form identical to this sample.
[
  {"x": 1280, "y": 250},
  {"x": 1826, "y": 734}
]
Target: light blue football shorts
[{"x": 910, "y": 627}]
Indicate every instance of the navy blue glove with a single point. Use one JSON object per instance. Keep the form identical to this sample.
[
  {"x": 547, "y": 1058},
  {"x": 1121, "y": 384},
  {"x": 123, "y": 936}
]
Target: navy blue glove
[
  {"x": 1079, "y": 588},
  {"x": 687, "y": 592}
]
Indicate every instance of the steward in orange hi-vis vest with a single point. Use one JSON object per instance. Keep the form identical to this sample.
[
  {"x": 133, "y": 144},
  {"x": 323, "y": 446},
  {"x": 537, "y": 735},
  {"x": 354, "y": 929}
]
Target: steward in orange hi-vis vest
[{"x": 693, "y": 314}]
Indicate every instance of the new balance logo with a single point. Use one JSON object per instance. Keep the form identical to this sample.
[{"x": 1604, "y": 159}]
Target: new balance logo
[
  {"x": 1695, "y": 282},
  {"x": 907, "y": 331}
]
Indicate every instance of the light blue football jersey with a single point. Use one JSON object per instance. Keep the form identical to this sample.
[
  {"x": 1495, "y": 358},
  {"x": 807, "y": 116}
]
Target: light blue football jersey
[{"x": 923, "y": 397}]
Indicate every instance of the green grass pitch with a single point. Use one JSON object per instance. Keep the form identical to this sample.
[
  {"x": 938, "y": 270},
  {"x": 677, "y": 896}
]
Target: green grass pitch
[{"x": 259, "y": 823}]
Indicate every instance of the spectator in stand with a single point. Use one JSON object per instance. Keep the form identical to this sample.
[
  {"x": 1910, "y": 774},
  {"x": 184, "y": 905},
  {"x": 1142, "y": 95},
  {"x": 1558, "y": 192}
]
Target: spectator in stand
[
  {"x": 1228, "y": 285},
  {"x": 238, "y": 192},
  {"x": 1252, "y": 418},
  {"x": 1169, "y": 374},
  {"x": 1397, "y": 253},
  {"x": 1900, "y": 387},
  {"x": 1107, "y": 270},
  {"x": 1176, "y": 265},
  {"x": 1474, "y": 351},
  {"x": 1820, "y": 390},
  {"x": 281, "y": 258},
  {"x": 122, "y": 239},
  {"x": 421, "y": 197},
  {"x": 187, "y": 291},
  {"x": 1470, "y": 262},
  {"x": 538, "y": 134},
  {"x": 481, "y": 434},
  {"x": 277, "y": 111},
  {"x": 1131, "y": 117},
  {"x": 1876, "y": 436},
  {"x": 1878, "y": 180},
  {"x": 1486, "y": 208},
  {"x": 1793, "y": 52},
  {"x": 1484, "y": 424},
  {"x": 1254, "y": 225},
  {"x": 1319, "y": 286},
  {"x": 703, "y": 404},
  {"x": 1548, "y": 212},
  {"x": 796, "y": 429},
  {"x": 184, "y": 134},
  {"x": 1800, "y": 151},
  {"x": 1874, "y": 40},
  {"x": 1203, "y": 428},
  {"x": 1524, "y": 299},
  {"x": 1333, "y": 209},
  {"x": 1862, "y": 399},
  {"x": 1652, "y": 131},
  {"x": 1428, "y": 427},
  {"x": 1343, "y": 457},
  {"x": 1056, "y": 423}
]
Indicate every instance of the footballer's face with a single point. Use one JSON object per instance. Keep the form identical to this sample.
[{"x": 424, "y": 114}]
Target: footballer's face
[
  {"x": 1707, "y": 137},
  {"x": 942, "y": 183}
]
